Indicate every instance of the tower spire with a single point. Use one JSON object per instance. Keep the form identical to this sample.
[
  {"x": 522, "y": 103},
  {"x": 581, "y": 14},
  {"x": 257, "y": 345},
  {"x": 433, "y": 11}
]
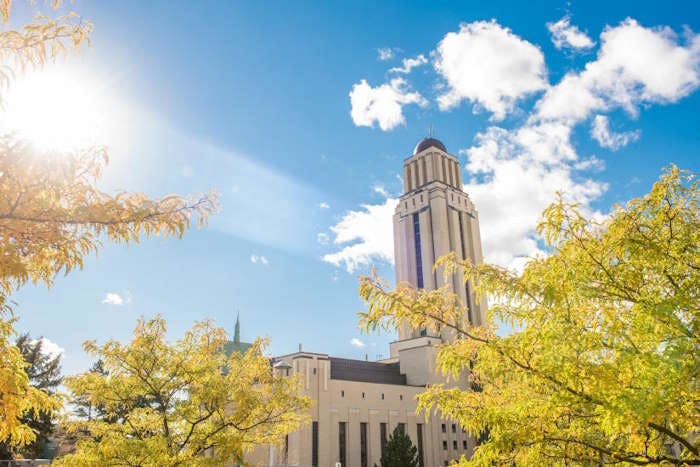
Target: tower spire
[{"x": 237, "y": 330}]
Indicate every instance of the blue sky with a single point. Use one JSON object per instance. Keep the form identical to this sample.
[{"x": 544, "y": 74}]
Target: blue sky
[{"x": 253, "y": 99}]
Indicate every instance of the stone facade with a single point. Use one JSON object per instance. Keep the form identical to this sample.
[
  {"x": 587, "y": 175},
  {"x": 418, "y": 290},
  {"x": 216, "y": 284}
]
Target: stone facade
[{"x": 359, "y": 403}]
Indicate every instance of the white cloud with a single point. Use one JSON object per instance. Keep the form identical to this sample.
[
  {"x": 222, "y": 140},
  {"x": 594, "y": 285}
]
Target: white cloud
[
  {"x": 113, "y": 298},
  {"x": 259, "y": 259},
  {"x": 381, "y": 190},
  {"x": 385, "y": 53},
  {"x": 600, "y": 131},
  {"x": 520, "y": 172},
  {"x": 566, "y": 35},
  {"x": 487, "y": 64},
  {"x": 382, "y": 104},
  {"x": 323, "y": 238},
  {"x": 590, "y": 163},
  {"x": 355, "y": 342},
  {"x": 49, "y": 347},
  {"x": 634, "y": 65},
  {"x": 324, "y": 205},
  {"x": 409, "y": 64},
  {"x": 516, "y": 172},
  {"x": 367, "y": 235}
]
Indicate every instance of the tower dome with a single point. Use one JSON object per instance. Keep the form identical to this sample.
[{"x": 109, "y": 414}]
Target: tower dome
[{"x": 426, "y": 143}]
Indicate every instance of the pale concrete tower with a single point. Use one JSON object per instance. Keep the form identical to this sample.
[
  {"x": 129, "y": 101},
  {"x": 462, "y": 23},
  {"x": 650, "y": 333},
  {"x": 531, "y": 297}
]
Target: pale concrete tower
[{"x": 434, "y": 217}]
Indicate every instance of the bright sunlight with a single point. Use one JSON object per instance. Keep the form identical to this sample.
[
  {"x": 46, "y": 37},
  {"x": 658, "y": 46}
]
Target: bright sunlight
[{"x": 55, "y": 109}]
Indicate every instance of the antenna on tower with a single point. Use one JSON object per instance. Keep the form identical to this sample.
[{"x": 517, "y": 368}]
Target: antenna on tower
[{"x": 430, "y": 131}]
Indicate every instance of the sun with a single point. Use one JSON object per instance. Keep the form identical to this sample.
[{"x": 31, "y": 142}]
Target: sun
[{"x": 54, "y": 109}]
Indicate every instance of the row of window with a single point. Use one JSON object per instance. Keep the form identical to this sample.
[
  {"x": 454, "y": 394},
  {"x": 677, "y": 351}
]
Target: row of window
[
  {"x": 364, "y": 458},
  {"x": 342, "y": 395},
  {"x": 454, "y": 428},
  {"x": 454, "y": 445}
]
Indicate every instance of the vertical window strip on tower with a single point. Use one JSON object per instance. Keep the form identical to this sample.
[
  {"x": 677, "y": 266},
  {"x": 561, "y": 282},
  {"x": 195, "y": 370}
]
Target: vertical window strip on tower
[
  {"x": 465, "y": 256},
  {"x": 419, "y": 256}
]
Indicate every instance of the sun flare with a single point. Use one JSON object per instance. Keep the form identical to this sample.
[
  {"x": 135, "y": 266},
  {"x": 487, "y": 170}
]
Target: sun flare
[{"x": 56, "y": 110}]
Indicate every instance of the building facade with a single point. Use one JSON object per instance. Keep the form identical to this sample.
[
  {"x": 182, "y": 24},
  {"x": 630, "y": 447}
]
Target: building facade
[{"x": 358, "y": 403}]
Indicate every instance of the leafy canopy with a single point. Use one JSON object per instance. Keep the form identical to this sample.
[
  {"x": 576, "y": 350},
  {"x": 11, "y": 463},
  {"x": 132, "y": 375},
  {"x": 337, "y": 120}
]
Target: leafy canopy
[
  {"x": 52, "y": 214},
  {"x": 602, "y": 366},
  {"x": 182, "y": 403}
]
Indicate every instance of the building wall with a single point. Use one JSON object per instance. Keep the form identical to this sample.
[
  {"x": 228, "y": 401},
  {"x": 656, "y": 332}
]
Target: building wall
[
  {"x": 355, "y": 402},
  {"x": 433, "y": 218},
  {"x": 447, "y": 222}
]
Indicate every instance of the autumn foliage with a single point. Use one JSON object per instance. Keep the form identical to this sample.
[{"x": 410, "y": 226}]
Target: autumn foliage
[
  {"x": 52, "y": 215},
  {"x": 601, "y": 365},
  {"x": 182, "y": 403}
]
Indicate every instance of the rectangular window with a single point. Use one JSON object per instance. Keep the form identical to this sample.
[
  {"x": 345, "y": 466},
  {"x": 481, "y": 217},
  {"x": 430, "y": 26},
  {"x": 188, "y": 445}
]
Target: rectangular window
[
  {"x": 363, "y": 445},
  {"x": 419, "y": 438},
  {"x": 464, "y": 444},
  {"x": 314, "y": 444},
  {"x": 454, "y": 428},
  {"x": 444, "y": 428},
  {"x": 419, "y": 255},
  {"x": 454, "y": 445},
  {"x": 444, "y": 445},
  {"x": 342, "y": 445},
  {"x": 382, "y": 436}
]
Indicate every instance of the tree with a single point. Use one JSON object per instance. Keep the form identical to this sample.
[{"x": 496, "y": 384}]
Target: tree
[
  {"x": 44, "y": 372},
  {"x": 52, "y": 215},
  {"x": 602, "y": 365},
  {"x": 399, "y": 450},
  {"x": 84, "y": 407},
  {"x": 195, "y": 413}
]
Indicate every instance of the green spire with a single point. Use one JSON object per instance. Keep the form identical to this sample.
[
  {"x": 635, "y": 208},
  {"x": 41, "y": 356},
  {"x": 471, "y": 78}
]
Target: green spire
[{"x": 237, "y": 331}]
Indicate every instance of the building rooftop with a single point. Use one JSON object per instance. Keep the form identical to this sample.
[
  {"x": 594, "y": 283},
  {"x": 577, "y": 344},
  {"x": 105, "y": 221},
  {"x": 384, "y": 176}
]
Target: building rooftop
[
  {"x": 426, "y": 143},
  {"x": 366, "y": 372}
]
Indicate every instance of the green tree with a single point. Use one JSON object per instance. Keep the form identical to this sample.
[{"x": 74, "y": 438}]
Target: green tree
[
  {"x": 399, "y": 450},
  {"x": 169, "y": 404},
  {"x": 44, "y": 372},
  {"x": 602, "y": 366}
]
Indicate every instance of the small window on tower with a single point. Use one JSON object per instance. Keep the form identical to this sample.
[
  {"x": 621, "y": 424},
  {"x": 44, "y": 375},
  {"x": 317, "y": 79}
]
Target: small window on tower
[
  {"x": 454, "y": 428},
  {"x": 464, "y": 444},
  {"x": 444, "y": 428},
  {"x": 314, "y": 370},
  {"x": 382, "y": 396},
  {"x": 444, "y": 445},
  {"x": 454, "y": 445},
  {"x": 342, "y": 393}
]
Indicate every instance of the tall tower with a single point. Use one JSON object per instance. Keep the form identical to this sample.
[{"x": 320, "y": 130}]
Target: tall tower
[{"x": 435, "y": 217}]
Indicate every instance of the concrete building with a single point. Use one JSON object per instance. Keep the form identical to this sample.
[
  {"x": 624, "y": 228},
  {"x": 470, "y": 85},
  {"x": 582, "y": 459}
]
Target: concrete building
[{"x": 359, "y": 403}]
